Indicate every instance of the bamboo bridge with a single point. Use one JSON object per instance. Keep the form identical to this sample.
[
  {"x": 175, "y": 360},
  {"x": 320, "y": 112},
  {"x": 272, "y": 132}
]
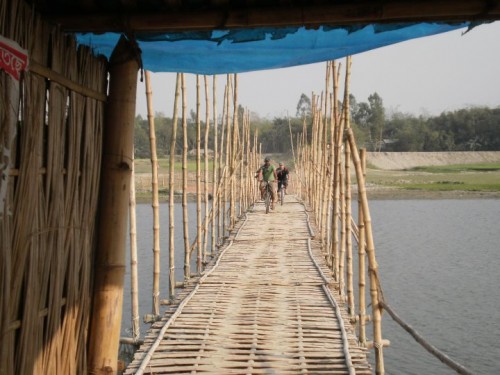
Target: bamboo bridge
[
  {"x": 267, "y": 304},
  {"x": 271, "y": 293}
]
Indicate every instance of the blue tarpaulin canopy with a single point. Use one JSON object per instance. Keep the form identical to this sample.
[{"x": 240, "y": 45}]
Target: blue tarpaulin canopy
[{"x": 244, "y": 50}]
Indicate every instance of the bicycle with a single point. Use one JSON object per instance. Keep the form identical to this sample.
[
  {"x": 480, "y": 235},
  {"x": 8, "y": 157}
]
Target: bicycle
[
  {"x": 268, "y": 194},
  {"x": 282, "y": 191}
]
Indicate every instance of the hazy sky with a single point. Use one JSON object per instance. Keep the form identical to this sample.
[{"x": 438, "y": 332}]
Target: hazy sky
[{"x": 420, "y": 76}]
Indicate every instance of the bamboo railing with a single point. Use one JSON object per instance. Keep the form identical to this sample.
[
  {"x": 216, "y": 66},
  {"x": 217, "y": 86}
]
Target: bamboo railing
[
  {"x": 326, "y": 151},
  {"x": 325, "y": 178}
]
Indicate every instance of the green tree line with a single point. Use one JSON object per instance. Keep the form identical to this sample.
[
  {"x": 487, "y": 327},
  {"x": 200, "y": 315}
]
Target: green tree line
[{"x": 468, "y": 129}]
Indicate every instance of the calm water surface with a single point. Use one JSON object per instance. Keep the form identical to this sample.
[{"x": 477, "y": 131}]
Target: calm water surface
[{"x": 439, "y": 265}]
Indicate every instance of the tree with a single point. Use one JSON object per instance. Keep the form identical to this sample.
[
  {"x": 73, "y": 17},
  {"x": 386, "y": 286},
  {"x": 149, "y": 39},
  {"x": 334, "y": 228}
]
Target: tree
[
  {"x": 377, "y": 120},
  {"x": 303, "y": 106}
]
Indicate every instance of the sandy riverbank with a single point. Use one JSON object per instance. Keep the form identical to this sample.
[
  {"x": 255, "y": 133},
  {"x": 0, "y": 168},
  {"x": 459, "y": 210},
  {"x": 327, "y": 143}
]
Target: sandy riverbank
[{"x": 407, "y": 160}]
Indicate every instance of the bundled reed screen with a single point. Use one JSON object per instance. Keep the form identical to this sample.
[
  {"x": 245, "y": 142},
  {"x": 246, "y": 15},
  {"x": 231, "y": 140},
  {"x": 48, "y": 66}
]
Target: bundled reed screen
[{"x": 47, "y": 225}]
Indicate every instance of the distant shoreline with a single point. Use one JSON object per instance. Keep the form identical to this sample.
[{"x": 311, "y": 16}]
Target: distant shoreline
[
  {"x": 386, "y": 171},
  {"x": 373, "y": 193},
  {"x": 388, "y": 193}
]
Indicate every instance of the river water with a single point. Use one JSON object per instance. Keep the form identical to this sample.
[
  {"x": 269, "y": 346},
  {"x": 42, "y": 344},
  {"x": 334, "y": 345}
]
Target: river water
[{"x": 439, "y": 266}]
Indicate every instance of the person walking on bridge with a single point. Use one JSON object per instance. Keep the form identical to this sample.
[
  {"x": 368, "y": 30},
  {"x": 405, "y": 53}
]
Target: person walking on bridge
[{"x": 267, "y": 174}]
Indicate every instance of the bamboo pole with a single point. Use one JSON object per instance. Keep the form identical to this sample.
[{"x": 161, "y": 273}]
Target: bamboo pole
[
  {"x": 331, "y": 166},
  {"x": 109, "y": 264},
  {"x": 221, "y": 165},
  {"x": 348, "y": 238},
  {"x": 234, "y": 149},
  {"x": 216, "y": 169},
  {"x": 342, "y": 250},
  {"x": 372, "y": 263},
  {"x": 198, "y": 179},
  {"x": 324, "y": 166},
  {"x": 337, "y": 204},
  {"x": 227, "y": 184},
  {"x": 362, "y": 259},
  {"x": 295, "y": 166},
  {"x": 242, "y": 177},
  {"x": 171, "y": 187},
  {"x": 134, "y": 287},
  {"x": 155, "y": 203},
  {"x": 185, "y": 225},
  {"x": 427, "y": 346},
  {"x": 205, "y": 162},
  {"x": 348, "y": 218}
]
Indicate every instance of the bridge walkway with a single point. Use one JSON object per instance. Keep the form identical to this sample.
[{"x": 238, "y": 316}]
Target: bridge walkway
[{"x": 266, "y": 306}]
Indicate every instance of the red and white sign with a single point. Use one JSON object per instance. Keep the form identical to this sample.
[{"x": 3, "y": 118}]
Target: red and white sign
[{"x": 13, "y": 59}]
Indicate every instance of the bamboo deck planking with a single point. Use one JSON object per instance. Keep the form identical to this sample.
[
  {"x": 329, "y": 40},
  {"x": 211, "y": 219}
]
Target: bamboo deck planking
[{"x": 261, "y": 310}]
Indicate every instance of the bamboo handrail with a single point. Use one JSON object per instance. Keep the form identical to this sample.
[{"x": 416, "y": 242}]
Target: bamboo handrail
[
  {"x": 426, "y": 345},
  {"x": 45, "y": 72}
]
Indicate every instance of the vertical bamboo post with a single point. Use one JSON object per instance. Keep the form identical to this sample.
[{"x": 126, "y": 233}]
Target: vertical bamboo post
[
  {"x": 155, "y": 203},
  {"x": 216, "y": 169},
  {"x": 348, "y": 238},
  {"x": 291, "y": 145},
  {"x": 331, "y": 166},
  {"x": 242, "y": 175},
  {"x": 227, "y": 184},
  {"x": 185, "y": 225},
  {"x": 324, "y": 166},
  {"x": 350, "y": 281},
  {"x": 171, "y": 188},
  {"x": 134, "y": 287},
  {"x": 314, "y": 140},
  {"x": 337, "y": 204},
  {"x": 198, "y": 178},
  {"x": 370, "y": 249},
  {"x": 234, "y": 149},
  {"x": 205, "y": 162},
  {"x": 249, "y": 170},
  {"x": 362, "y": 258},
  {"x": 109, "y": 263},
  {"x": 222, "y": 194},
  {"x": 342, "y": 230},
  {"x": 372, "y": 263},
  {"x": 242, "y": 178}
]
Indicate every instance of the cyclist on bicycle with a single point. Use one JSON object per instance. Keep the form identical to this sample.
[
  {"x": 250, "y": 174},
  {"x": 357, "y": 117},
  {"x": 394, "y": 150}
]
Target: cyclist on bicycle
[
  {"x": 267, "y": 173},
  {"x": 282, "y": 174}
]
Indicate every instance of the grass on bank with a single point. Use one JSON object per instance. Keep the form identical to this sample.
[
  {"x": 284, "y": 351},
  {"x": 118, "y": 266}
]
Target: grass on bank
[
  {"x": 460, "y": 177},
  {"x": 458, "y": 168}
]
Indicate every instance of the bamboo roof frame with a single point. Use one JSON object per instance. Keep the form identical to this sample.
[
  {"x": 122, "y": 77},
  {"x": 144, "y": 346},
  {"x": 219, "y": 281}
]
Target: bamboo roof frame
[{"x": 210, "y": 15}]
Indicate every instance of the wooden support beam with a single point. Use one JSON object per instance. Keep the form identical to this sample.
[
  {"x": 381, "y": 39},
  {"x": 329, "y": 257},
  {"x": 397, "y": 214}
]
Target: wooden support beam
[
  {"x": 311, "y": 15},
  {"x": 113, "y": 211}
]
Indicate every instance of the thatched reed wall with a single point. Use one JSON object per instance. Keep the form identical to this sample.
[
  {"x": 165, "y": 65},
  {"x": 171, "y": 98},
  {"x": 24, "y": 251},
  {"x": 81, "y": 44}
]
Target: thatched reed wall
[{"x": 50, "y": 139}]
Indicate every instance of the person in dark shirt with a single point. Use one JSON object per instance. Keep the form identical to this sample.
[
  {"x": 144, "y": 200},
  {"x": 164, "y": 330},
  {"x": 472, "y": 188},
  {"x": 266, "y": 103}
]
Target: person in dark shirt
[{"x": 282, "y": 174}]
